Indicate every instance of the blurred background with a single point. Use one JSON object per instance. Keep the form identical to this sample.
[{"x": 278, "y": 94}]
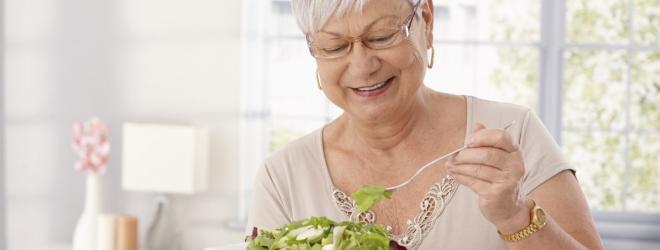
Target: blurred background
[{"x": 590, "y": 69}]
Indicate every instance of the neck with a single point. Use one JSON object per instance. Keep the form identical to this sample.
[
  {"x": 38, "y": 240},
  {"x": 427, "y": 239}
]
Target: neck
[{"x": 386, "y": 135}]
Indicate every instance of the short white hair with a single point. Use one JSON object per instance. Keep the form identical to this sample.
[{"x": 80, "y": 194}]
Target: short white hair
[{"x": 312, "y": 15}]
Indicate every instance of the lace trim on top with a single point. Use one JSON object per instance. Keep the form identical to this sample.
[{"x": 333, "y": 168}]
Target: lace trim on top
[{"x": 432, "y": 206}]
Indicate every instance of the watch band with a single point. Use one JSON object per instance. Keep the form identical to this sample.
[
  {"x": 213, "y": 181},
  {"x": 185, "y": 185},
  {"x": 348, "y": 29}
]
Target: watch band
[
  {"x": 522, "y": 234},
  {"x": 534, "y": 226}
]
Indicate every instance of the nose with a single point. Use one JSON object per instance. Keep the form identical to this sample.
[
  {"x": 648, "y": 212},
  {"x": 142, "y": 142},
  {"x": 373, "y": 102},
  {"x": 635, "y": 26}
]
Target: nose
[{"x": 362, "y": 62}]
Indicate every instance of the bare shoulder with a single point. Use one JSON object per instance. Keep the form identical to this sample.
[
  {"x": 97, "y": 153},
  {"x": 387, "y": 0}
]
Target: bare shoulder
[{"x": 450, "y": 106}]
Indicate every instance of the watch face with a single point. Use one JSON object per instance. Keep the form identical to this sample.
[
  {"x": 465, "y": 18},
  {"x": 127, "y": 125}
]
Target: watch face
[{"x": 539, "y": 217}]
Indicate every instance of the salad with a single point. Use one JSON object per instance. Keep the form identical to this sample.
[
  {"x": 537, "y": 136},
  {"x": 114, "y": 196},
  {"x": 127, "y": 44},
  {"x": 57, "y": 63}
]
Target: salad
[
  {"x": 321, "y": 233},
  {"x": 368, "y": 196}
]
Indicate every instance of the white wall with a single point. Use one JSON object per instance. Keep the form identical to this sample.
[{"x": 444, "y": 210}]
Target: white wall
[
  {"x": 3, "y": 240},
  {"x": 123, "y": 60}
]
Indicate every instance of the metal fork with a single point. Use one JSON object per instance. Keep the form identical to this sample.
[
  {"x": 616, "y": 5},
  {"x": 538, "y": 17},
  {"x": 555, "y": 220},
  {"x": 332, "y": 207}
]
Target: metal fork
[{"x": 420, "y": 170}]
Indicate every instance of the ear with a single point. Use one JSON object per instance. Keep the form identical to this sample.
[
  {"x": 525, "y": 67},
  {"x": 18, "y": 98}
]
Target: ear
[{"x": 428, "y": 12}]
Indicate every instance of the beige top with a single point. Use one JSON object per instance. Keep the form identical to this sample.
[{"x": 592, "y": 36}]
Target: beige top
[{"x": 294, "y": 184}]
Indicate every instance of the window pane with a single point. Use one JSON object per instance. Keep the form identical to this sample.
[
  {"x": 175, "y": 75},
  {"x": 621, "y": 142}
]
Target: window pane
[
  {"x": 291, "y": 81},
  {"x": 290, "y": 70},
  {"x": 313, "y": 106},
  {"x": 453, "y": 71},
  {"x": 647, "y": 21},
  {"x": 502, "y": 74},
  {"x": 644, "y": 174},
  {"x": 489, "y": 20},
  {"x": 514, "y": 74},
  {"x": 594, "y": 89},
  {"x": 282, "y": 21},
  {"x": 598, "y": 159},
  {"x": 604, "y": 21},
  {"x": 646, "y": 91},
  {"x": 283, "y": 131}
]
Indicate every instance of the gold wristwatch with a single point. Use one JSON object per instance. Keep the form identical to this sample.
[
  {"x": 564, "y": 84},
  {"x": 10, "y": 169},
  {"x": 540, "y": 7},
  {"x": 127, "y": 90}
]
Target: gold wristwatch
[{"x": 537, "y": 221}]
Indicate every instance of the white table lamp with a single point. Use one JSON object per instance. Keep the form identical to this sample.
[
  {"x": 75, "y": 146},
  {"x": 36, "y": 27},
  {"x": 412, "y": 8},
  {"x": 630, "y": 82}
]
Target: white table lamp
[{"x": 164, "y": 159}]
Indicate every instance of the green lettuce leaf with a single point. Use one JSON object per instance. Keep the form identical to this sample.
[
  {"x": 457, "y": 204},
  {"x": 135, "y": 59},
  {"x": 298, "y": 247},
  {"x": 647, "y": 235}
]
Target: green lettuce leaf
[
  {"x": 367, "y": 196},
  {"x": 304, "y": 234}
]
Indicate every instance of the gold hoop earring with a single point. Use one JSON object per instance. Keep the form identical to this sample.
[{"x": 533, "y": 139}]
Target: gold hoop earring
[
  {"x": 430, "y": 65},
  {"x": 318, "y": 80}
]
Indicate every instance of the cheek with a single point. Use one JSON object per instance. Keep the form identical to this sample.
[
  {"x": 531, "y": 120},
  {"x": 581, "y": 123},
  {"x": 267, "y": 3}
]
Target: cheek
[
  {"x": 403, "y": 58},
  {"x": 409, "y": 64},
  {"x": 330, "y": 72},
  {"x": 329, "y": 77},
  {"x": 327, "y": 73}
]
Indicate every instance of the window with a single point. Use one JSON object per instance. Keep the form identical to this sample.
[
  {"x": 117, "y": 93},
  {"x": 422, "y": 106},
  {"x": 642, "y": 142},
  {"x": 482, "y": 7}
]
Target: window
[
  {"x": 590, "y": 70},
  {"x": 611, "y": 116}
]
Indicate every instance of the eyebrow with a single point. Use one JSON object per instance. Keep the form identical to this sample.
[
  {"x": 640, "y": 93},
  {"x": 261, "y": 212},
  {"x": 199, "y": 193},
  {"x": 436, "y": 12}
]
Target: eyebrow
[{"x": 365, "y": 28}]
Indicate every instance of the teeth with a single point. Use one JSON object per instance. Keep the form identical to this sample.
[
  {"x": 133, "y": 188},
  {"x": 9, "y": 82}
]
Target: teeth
[{"x": 372, "y": 87}]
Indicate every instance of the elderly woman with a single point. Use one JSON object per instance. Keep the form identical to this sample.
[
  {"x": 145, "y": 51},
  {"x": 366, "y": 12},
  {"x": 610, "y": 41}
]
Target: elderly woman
[{"x": 510, "y": 188}]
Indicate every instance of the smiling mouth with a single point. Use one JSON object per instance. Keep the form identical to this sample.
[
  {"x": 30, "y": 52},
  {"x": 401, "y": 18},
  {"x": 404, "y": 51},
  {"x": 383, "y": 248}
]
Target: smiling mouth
[{"x": 375, "y": 87}]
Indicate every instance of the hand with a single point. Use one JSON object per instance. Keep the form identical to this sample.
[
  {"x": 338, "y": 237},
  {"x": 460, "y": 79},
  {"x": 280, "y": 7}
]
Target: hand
[{"x": 492, "y": 166}]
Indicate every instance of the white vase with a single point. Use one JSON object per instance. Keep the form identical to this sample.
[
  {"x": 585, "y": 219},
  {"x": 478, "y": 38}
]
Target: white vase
[{"x": 84, "y": 236}]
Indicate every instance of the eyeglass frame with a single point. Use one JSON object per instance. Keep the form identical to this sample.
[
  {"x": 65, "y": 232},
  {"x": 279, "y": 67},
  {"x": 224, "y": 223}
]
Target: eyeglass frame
[{"x": 405, "y": 27}]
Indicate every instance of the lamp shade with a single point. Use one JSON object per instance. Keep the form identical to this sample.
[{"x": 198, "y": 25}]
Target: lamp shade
[{"x": 164, "y": 158}]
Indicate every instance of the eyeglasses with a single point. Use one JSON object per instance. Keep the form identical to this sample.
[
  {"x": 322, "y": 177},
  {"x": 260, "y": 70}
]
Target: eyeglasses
[{"x": 384, "y": 33}]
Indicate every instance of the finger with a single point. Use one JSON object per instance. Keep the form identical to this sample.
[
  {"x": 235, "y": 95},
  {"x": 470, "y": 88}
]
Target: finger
[
  {"x": 476, "y": 185},
  {"x": 491, "y": 156},
  {"x": 489, "y": 137},
  {"x": 482, "y": 172},
  {"x": 478, "y": 126}
]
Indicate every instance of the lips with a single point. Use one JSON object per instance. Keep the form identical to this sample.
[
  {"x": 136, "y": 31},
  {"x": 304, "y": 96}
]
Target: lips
[
  {"x": 373, "y": 90},
  {"x": 374, "y": 87}
]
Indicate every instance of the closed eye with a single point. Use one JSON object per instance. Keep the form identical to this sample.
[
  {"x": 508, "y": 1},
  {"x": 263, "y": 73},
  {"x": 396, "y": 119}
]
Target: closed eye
[
  {"x": 334, "y": 49},
  {"x": 381, "y": 39}
]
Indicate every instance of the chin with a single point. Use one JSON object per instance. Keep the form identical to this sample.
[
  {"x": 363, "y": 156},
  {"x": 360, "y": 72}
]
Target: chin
[{"x": 373, "y": 113}]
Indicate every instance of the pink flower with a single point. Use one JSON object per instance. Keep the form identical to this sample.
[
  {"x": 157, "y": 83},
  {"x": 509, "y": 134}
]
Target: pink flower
[{"x": 91, "y": 145}]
